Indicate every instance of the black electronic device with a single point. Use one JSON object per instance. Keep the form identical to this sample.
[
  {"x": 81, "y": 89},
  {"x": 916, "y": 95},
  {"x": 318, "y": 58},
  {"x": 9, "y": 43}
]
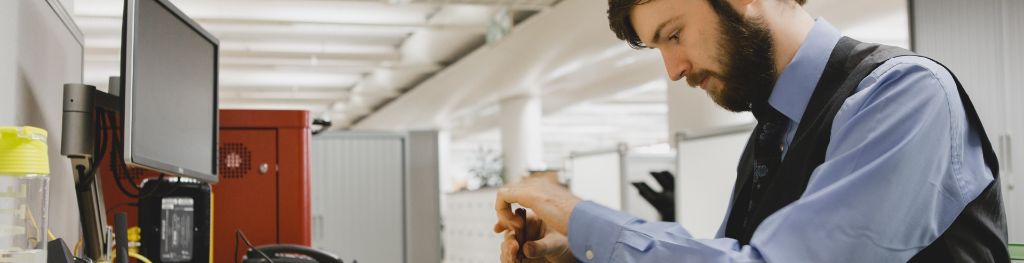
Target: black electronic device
[
  {"x": 57, "y": 252},
  {"x": 284, "y": 253},
  {"x": 664, "y": 201},
  {"x": 175, "y": 220}
]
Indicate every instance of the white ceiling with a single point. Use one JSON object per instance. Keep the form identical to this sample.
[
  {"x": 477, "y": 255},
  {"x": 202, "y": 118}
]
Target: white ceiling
[
  {"x": 416, "y": 64},
  {"x": 636, "y": 116},
  {"x": 596, "y": 92},
  {"x": 340, "y": 59}
]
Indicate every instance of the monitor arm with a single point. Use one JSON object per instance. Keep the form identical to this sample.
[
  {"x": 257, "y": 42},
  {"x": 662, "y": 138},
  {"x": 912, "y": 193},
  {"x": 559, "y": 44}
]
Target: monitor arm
[{"x": 78, "y": 144}]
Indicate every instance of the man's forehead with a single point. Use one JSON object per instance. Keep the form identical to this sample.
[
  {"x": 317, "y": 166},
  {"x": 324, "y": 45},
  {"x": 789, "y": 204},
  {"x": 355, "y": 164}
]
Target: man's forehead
[{"x": 649, "y": 17}]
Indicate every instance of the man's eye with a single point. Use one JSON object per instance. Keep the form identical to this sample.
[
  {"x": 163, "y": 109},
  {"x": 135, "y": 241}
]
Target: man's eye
[{"x": 674, "y": 37}]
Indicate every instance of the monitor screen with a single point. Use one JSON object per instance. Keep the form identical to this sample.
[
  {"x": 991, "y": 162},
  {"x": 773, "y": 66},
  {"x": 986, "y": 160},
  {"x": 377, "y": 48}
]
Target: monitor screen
[{"x": 169, "y": 76}]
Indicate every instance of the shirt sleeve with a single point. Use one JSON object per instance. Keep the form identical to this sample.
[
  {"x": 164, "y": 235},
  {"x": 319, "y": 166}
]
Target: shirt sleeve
[{"x": 893, "y": 180}]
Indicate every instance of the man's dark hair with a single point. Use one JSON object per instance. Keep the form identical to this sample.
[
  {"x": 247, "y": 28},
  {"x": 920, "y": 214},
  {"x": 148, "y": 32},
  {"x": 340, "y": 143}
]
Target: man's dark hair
[{"x": 620, "y": 23}]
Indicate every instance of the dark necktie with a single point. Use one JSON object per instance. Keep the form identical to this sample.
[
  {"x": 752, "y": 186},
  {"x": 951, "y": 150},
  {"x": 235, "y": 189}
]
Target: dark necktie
[{"x": 767, "y": 152}]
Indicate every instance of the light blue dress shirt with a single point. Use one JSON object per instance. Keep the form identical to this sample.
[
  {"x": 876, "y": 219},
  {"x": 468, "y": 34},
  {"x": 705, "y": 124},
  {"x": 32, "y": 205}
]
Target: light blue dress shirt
[{"x": 901, "y": 165}]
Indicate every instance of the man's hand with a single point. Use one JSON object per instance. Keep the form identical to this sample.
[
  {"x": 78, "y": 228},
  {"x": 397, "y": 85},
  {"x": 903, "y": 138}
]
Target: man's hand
[
  {"x": 551, "y": 202},
  {"x": 545, "y": 245}
]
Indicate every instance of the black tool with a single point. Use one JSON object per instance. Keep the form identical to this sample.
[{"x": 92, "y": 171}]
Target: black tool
[
  {"x": 287, "y": 253},
  {"x": 521, "y": 235},
  {"x": 57, "y": 252},
  {"x": 121, "y": 236},
  {"x": 665, "y": 201}
]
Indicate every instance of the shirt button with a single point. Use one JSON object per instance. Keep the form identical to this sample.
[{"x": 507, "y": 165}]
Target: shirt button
[{"x": 590, "y": 254}]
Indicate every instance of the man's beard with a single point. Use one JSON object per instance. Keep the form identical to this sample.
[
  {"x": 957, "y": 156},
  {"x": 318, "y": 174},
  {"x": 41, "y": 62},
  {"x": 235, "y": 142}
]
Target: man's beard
[{"x": 746, "y": 57}]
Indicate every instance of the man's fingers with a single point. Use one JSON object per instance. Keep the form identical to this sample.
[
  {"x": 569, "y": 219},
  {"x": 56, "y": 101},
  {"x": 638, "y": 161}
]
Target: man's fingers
[
  {"x": 534, "y": 226},
  {"x": 503, "y": 207},
  {"x": 498, "y": 227},
  {"x": 513, "y": 224},
  {"x": 509, "y": 248},
  {"x": 551, "y": 244}
]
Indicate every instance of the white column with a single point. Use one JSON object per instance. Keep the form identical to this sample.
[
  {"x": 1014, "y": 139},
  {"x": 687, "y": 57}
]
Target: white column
[
  {"x": 691, "y": 108},
  {"x": 520, "y": 136}
]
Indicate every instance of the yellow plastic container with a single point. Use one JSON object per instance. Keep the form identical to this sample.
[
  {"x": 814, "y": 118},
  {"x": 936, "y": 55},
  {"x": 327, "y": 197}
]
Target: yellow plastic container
[{"x": 24, "y": 194}]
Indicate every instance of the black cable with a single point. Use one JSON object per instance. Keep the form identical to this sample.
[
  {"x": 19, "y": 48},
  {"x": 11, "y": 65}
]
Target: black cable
[
  {"x": 324, "y": 125},
  {"x": 117, "y": 177},
  {"x": 238, "y": 233},
  {"x": 236, "y": 247},
  {"x": 118, "y": 166},
  {"x": 118, "y": 153},
  {"x": 114, "y": 168},
  {"x": 98, "y": 151},
  {"x": 119, "y": 149},
  {"x": 83, "y": 173}
]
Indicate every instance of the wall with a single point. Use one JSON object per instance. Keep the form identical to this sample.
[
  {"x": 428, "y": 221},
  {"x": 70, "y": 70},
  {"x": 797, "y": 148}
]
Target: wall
[
  {"x": 41, "y": 49},
  {"x": 705, "y": 178},
  {"x": 468, "y": 222}
]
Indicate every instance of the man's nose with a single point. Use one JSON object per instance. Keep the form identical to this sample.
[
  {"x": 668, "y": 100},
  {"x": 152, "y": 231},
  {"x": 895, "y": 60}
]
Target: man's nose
[{"x": 676, "y": 64}]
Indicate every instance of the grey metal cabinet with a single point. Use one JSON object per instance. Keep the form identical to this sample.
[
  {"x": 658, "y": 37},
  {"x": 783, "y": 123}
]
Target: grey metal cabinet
[
  {"x": 983, "y": 43},
  {"x": 375, "y": 196}
]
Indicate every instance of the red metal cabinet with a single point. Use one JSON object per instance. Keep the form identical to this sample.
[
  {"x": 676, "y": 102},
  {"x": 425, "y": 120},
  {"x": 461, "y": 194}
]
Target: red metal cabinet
[
  {"x": 271, "y": 204},
  {"x": 271, "y": 207}
]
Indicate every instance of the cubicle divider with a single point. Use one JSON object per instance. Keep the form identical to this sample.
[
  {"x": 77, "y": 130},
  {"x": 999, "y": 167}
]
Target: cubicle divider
[
  {"x": 605, "y": 177},
  {"x": 707, "y": 161},
  {"x": 598, "y": 176}
]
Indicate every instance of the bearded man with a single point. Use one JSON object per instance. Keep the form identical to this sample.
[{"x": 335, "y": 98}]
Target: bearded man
[{"x": 862, "y": 152}]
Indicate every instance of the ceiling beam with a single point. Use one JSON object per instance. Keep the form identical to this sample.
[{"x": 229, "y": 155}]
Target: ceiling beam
[
  {"x": 278, "y": 95},
  {"x": 308, "y": 56}
]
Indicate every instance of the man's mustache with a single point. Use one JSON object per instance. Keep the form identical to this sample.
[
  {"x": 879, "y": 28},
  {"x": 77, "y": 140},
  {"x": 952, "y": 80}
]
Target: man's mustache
[{"x": 697, "y": 77}]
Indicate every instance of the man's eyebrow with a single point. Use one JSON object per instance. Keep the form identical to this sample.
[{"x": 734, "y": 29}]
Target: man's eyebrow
[{"x": 657, "y": 30}]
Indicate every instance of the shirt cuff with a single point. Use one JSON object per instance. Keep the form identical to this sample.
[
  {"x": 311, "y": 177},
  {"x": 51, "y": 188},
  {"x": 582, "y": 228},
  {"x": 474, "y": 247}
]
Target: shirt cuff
[{"x": 594, "y": 230}]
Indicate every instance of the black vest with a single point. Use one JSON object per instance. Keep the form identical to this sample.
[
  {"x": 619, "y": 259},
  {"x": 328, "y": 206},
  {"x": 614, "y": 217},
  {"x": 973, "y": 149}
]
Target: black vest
[{"x": 977, "y": 235}]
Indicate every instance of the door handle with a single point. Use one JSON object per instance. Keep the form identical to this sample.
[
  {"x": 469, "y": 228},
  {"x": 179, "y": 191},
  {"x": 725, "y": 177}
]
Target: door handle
[
  {"x": 318, "y": 227},
  {"x": 1009, "y": 152}
]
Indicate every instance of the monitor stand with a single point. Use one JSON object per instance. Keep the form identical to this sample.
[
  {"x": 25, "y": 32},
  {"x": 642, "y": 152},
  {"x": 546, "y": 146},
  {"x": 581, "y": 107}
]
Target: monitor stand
[{"x": 78, "y": 144}]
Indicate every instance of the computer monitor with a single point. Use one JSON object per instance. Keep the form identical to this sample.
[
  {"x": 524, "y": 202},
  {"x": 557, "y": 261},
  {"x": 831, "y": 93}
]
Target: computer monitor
[{"x": 169, "y": 84}]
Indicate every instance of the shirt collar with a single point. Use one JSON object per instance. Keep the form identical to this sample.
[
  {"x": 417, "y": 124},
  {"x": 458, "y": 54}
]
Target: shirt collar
[{"x": 793, "y": 90}]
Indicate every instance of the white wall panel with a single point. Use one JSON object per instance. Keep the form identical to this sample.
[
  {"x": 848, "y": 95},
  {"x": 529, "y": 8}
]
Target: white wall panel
[
  {"x": 705, "y": 179},
  {"x": 598, "y": 177}
]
